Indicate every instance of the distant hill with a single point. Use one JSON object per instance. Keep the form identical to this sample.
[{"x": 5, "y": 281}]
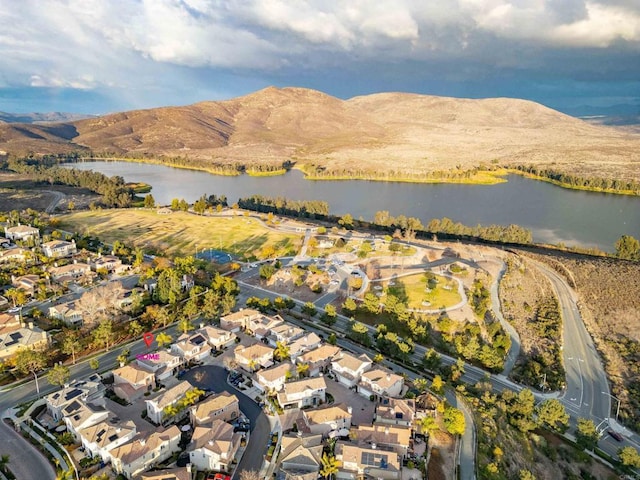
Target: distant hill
[
  {"x": 376, "y": 133},
  {"x": 50, "y": 117}
]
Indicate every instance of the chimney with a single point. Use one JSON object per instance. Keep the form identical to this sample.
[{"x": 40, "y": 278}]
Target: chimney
[
  {"x": 373, "y": 446},
  {"x": 201, "y": 324},
  {"x": 350, "y": 409},
  {"x": 44, "y": 336},
  {"x": 30, "y": 325},
  {"x": 75, "y": 261},
  {"x": 188, "y": 468},
  {"x": 388, "y": 377},
  {"x": 143, "y": 441},
  {"x": 121, "y": 364},
  {"x": 118, "y": 430},
  {"x": 386, "y": 430}
]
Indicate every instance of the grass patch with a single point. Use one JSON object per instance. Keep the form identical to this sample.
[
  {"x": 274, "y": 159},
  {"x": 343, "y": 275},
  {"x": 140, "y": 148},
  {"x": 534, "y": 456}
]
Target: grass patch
[
  {"x": 413, "y": 290},
  {"x": 181, "y": 233}
]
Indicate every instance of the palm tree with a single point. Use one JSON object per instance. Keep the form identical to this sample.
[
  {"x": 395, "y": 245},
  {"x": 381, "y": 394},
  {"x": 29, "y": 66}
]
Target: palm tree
[
  {"x": 163, "y": 339},
  {"x": 330, "y": 466},
  {"x": 64, "y": 475},
  {"x": 281, "y": 352},
  {"x": 303, "y": 369}
]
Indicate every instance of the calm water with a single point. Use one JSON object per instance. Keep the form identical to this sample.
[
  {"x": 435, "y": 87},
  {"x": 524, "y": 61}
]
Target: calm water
[{"x": 552, "y": 213}]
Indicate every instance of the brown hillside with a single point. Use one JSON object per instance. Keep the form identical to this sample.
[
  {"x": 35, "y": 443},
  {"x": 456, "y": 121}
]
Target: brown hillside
[{"x": 381, "y": 132}]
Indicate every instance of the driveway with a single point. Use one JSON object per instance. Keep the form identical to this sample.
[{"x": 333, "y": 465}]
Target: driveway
[
  {"x": 362, "y": 408},
  {"x": 215, "y": 379}
]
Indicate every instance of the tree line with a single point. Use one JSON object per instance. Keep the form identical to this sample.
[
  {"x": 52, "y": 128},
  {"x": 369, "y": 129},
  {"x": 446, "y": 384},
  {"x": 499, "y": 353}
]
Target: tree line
[{"x": 284, "y": 206}]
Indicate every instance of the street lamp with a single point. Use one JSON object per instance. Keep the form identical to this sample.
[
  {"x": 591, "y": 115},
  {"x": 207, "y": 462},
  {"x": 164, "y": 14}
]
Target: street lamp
[{"x": 617, "y": 399}]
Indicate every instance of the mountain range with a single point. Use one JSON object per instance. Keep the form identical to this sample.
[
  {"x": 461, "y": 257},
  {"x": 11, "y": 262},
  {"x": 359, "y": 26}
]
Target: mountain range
[{"x": 380, "y": 132}]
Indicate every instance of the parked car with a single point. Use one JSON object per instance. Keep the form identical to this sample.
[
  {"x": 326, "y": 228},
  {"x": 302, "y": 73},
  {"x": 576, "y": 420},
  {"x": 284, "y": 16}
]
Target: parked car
[{"x": 615, "y": 435}]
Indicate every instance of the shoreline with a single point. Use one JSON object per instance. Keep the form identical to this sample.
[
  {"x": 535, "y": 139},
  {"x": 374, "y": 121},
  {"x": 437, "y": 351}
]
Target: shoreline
[{"x": 482, "y": 177}]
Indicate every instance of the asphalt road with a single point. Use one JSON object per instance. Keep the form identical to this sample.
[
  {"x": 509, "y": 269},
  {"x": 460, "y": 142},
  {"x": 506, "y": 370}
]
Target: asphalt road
[
  {"x": 215, "y": 379},
  {"x": 25, "y": 462}
]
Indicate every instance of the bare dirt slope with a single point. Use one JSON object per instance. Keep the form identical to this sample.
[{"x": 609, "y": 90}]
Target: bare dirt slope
[{"x": 382, "y": 132}]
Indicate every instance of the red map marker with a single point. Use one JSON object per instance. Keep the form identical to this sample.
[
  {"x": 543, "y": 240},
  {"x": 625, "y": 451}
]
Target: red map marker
[{"x": 148, "y": 338}]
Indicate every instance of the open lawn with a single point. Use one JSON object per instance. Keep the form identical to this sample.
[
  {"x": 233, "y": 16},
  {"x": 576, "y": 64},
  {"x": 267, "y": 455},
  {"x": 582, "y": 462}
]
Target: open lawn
[
  {"x": 180, "y": 233},
  {"x": 442, "y": 292},
  {"x": 355, "y": 246}
]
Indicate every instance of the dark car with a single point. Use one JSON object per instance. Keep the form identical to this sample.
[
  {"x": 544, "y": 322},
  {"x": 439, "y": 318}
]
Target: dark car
[{"x": 615, "y": 435}]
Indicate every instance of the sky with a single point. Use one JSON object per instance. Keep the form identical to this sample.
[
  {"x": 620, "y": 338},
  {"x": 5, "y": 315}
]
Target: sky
[{"x": 99, "y": 56}]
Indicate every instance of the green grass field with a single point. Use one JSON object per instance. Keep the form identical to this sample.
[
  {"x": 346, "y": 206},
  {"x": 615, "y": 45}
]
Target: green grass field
[
  {"x": 180, "y": 233},
  {"x": 413, "y": 289}
]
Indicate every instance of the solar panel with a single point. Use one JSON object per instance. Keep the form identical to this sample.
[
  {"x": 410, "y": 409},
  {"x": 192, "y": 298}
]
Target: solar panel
[{"x": 113, "y": 437}]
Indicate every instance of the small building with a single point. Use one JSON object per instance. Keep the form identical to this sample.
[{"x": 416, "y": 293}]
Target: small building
[
  {"x": 87, "y": 391},
  {"x": 67, "y": 313},
  {"x": 272, "y": 379},
  {"x": 100, "y": 439},
  {"x": 319, "y": 360},
  {"x": 328, "y": 418},
  {"x": 300, "y": 457},
  {"x": 237, "y": 321},
  {"x": 25, "y": 336},
  {"x": 79, "y": 415},
  {"x": 253, "y": 357},
  {"x": 361, "y": 462},
  {"x": 72, "y": 272},
  {"x": 214, "y": 447},
  {"x": 109, "y": 264},
  {"x": 145, "y": 451},
  {"x": 162, "y": 363},
  {"x": 222, "y": 406},
  {"x": 22, "y": 232},
  {"x": 27, "y": 283},
  {"x": 218, "y": 338},
  {"x": 388, "y": 437},
  {"x": 131, "y": 381},
  {"x": 59, "y": 248},
  {"x": 303, "y": 393},
  {"x": 192, "y": 347},
  {"x": 16, "y": 254},
  {"x": 348, "y": 368},
  {"x": 156, "y": 407},
  {"x": 303, "y": 344},
  {"x": 284, "y": 333},
  {"x": 262, "y": 326},
  {"x": 396, "y": 411},
  {"x": 380, "y": 382}
]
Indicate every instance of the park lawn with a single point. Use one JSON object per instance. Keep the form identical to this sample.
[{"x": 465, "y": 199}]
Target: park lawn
[
  {"x": 180, "y": 233},
  {"x": 354, "y": 246},
  {"x": 413, "y": 289}
]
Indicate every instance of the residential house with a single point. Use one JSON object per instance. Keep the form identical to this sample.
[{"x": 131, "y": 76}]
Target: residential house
[
  {"x": 380, "y": 382},
  {"x": 237, "y": 321},
  {"x": 69, "y": 273},
  {"x": 109, "y": 264},
  {"x": 28, "y": 283},
  {"x": 303, "y": 344},
  {"x": 16, "y": 254},
  {"x": 192, "y": 347},
  {"x": 303, "y": 393},
  {"x": 9, "y": 323},
  {"x": 360, "y": 462},
  {"x": 395, "y": 411},
  {"x": 87, "y": 391},
  {"x": 131, "y": 381},
  {"x": 25, "y": 336},
  {"x": 273, "y": 379},
  {"x": 348, "y": 368},
  {"x": 222, "y": 406},
  {"x": 328, "y": 418},
  {"x": 100, "y": 439},
  {"x": 319, "y": 360},
  {"x": 145, "y": 451},
  {"x": 181, "y": 473},
  {"x": 300, "y": 457},
  {"x": 21, "y": 232},
  {"x": 59, "y": 248},
  {"x": 253, "y": 357},
  {"x": 79, "y": 415},
  {"x": 284, "y": 333},
  {"x": 162, "y": 363},
  {"x": 390, "y": 437},
  {"x": 218, "y": 338},
  {"x": 4, "y": 303},
  {"x": 261, "y": 327},
  {"x": 156, "y": 406},
  {"x": 67, "y": 313},
  {"x": 214, "y": 447}
]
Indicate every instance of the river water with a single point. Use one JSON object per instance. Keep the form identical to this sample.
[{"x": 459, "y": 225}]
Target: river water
[{"x": 553, "y": 214}]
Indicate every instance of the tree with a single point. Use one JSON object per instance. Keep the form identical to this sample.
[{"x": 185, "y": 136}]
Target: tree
[
  {"x": 123, "y": 358},
  {"x": 431, "y": 360},
  {"x": 349, "y": 306},
  {"x": 526, "y": 475},
  {"x": 17, "y": 296},
  {"x": 309, "y": 309},
  {"x": 454, "y": 421},
  {"x": 346, "y": 221},
  {"x": 420, "y": 384},
  {"x": 249, "y": 475},
  {"x": 437, "y": 385},
  {"x": 551, "y": 414},
  {"x": 371, "y": 303},
  {"x": 332, "y": 339},
  {"x": 628, "y": 247},
  {"x": 149, "y": 201},
  {"x": 163, "y": 339},
  {"x": 378, "y": 358},
  {"x": 629, "y": 457},
  {"x": 104, "y": 335},
  {"x": 586, "y": 434},
  {"x": 330, "y": 466},
  {"x": 71, "y": 343},
  {"x": 267, "y": 271},
  {"x": 169, "y": 289},
  {"x": 428, "y": 425},
  {"x": 329, "y": 315},
  {"x": 58, "y": 375},
  {"x": 185, "y": 324},
  {"x": 30, "y": 361},
  {"x": 94, "y": 363},
  {"x": 281, "y": 352},
  {"x": 135, "y": 329}
]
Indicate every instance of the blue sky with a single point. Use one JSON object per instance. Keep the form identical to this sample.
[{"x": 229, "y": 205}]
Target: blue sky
[{"x": 97, "y": 56}]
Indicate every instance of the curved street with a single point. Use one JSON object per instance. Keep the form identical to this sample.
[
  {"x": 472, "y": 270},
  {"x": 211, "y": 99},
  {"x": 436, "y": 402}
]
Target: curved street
[{"x": 24, "y": 460}]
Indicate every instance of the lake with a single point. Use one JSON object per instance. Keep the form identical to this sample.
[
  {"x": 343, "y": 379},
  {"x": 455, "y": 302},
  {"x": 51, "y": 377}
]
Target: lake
[{"x": 553, "y": 214}]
